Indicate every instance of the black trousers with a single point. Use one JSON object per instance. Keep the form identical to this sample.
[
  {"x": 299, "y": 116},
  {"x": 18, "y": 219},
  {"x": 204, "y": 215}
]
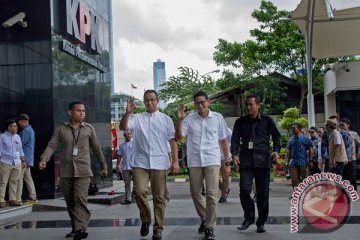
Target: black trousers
[
  {"x": 350, "y": 173},
  {"x": 262, "y": 180}
]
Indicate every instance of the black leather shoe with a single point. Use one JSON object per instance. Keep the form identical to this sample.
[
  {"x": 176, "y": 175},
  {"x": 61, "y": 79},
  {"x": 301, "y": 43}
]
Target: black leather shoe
[
  {"x": 70, "y": 234},
  {"x": 125, "y": 202},
  {"x": 261, "y": 229},
  {"x": 202, "y": 227},
  {"x": 157, "y": 235},
  {"x": 80, "y": 234},
  {"x": 144, "y": 231},
  {"x": 222, "y": 200},
  {"x": 245, "y": 224}
]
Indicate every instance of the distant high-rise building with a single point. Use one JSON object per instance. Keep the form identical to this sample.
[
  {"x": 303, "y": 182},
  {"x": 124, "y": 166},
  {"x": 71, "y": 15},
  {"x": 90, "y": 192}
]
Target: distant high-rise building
[{"x": 159, "y": 77}]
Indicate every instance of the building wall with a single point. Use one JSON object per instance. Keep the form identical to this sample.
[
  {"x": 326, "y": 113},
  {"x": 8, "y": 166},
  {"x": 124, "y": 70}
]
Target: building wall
[
  {"x": 342, "y": 92},
  {"x": 39, "y": 79}
]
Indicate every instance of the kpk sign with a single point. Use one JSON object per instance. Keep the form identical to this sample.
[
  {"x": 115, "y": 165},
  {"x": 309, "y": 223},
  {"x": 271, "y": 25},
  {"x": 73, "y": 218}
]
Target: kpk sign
[{"x": 82, "y": 21}]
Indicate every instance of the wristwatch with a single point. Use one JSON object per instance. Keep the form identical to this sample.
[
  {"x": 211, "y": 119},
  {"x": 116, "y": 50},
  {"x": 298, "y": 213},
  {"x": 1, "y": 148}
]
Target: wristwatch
[{"x": 227, "y": 163}]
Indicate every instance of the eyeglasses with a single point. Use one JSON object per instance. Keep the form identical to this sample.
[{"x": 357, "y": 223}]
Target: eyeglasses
[
  {"x": 200, "y": 103},
  {"x": 150, "y": 100},
  {"x": 311, "y": 131}
]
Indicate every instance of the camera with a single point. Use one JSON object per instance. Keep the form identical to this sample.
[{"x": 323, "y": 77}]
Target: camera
[{"x": 18, "y": 18}]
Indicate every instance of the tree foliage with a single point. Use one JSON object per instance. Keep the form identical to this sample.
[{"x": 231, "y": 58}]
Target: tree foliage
[
  {"x": 291, "y": 116},
  {"x": 180, "y": 89},
  {"x": 276, "y": 45}
]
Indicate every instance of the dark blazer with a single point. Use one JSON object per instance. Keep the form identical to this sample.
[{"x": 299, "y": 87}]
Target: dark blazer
[{"x": 259, "y": 156}]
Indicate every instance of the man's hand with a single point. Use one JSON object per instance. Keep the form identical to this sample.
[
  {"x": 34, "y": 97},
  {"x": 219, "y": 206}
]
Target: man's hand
[
  {"x": 118, "y": 169},
  {"x": 23, "y": 164},
  {"x": 104, "y": 173},
  {"x": 227, "y": 170},
  {"x": 174, "y": 168},
  {"x": 236, "y": 162},
  {"x": 180, "y": 112},
  {"x": 42, "y": 165},
  {"x": 333, "y": 164},
  {"x": 130, "y": 107}
]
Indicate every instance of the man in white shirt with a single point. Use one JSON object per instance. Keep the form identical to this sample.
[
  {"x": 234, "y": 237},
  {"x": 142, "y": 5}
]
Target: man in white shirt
[
  {"x": 224, "y": 177},
  {"x": 123, "y": 164},
  {"x": 11, "y": 159},
  {"x": 206, "y": 132},
  {"x": 151, "y": 130}
]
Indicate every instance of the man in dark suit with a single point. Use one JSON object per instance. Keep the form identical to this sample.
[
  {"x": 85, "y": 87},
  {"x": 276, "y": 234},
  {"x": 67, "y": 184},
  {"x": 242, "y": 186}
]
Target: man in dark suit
[{"x": 251, "y": 135}]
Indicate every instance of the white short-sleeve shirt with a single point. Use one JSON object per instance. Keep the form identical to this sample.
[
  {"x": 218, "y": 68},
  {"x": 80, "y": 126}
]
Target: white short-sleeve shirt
[
  {"x": 203, "y": 136},
  {"x": 151, "y": 133}
]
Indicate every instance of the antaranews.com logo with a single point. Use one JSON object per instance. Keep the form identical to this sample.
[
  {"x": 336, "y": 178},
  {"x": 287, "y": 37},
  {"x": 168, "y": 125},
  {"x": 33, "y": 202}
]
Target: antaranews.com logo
[{"x": 321, "y": 203}]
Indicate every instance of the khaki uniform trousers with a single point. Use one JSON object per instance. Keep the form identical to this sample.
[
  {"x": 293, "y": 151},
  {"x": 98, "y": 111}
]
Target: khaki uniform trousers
[
  {"x": 75, "y": 192},
  {"x": 296, "y": 174},
  {"x": 9, "y": 174},
  {"x": 224, "y": 180},
  {"x": 25, "y": 176},
  {"x": 157, "y": 178},
  {"x": 206, "y": 210}
]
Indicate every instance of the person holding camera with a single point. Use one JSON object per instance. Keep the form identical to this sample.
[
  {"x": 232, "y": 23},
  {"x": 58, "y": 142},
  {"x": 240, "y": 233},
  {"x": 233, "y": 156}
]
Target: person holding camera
[{"x": 76, "y": 137}]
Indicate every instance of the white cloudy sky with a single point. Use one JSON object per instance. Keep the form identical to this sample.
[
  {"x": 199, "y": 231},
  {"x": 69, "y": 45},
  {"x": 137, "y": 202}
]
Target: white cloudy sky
[{"x": 181, "y": 33}]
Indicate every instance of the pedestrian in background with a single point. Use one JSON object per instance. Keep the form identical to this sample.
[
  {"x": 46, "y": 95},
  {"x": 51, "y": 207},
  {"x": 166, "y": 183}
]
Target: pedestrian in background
[
  {"x": 27, "y": 136},
  {"x": 337, "y": 150},
  {"x": 123, "y": 164},
  {"x": 76, "y": 138},
  {"x": 299, "y": 155},
  {"x": 224, "y": 182},
  {"x": 350, "y": 168},
  {"x": 12, "y": 159}
]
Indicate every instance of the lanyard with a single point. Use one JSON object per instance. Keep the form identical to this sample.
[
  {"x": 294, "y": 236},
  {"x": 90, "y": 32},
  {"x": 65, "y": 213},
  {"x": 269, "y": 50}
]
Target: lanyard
[
  {"x": 252, "y": 130},
  {"x": 78, "y": 135}
]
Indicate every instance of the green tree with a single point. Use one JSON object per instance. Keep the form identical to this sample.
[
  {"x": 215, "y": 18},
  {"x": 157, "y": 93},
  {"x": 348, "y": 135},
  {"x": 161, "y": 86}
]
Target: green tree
[
  {"x": 291, "y": 116},
  {"x": 276, "y": 45},
  {"x": 180, "y": 89}
]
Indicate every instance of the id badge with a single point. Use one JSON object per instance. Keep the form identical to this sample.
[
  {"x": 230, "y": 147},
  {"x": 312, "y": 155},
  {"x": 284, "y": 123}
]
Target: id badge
[
  {"x": 251, "y": 145},
  {"x": 75, "y": 151}
]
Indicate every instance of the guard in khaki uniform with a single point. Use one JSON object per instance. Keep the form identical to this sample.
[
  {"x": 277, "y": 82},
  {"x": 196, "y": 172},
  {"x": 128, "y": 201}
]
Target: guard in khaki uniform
[{"x": 76, "y": 137}]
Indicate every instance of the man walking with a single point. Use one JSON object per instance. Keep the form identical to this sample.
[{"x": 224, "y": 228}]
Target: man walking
[
  {"x": 152, "y": 131},
  {"x": 206, "y": 132},
  {"x": 251, "y": 134},
  {"x": 224, "y": 176},
  {"x": 315, "y": 149},
  {"x": 299, "y": 155},
  {"x": 27, "y": 136},
  {"x": 11, "y": 162},
  {"x": 76, "y": 137},
  {"x": 123, "y": 164},
  {"x": 350, "y": 168}
]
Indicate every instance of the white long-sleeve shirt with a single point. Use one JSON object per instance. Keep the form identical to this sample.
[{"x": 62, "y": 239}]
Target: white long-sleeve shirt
[{"x": 10, "y": 148}]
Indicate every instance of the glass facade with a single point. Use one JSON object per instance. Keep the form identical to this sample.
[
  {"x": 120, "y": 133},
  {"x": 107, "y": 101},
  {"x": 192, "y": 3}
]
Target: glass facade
[
  {"x": 39, "y": 78},
  {"x": 348, "y": 105}
]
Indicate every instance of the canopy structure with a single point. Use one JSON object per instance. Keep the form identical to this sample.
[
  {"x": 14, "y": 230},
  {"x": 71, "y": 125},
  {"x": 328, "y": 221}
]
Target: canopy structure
[{"x": 328, "y": 33}]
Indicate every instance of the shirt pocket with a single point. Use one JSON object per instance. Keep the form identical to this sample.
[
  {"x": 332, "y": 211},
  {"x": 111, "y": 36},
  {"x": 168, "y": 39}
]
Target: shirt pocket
[{"x": 212, "y": 133}]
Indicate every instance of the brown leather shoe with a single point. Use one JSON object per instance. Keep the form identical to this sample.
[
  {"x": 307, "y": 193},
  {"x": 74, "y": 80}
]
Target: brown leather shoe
[
  {"x": 14, "y": 203},
  {"x": 2, "y": 204}
]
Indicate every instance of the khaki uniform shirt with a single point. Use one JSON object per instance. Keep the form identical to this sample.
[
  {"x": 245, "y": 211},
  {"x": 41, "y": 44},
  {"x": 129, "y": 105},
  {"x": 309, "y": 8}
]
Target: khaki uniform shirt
[{"x": 79, "y": 165}]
